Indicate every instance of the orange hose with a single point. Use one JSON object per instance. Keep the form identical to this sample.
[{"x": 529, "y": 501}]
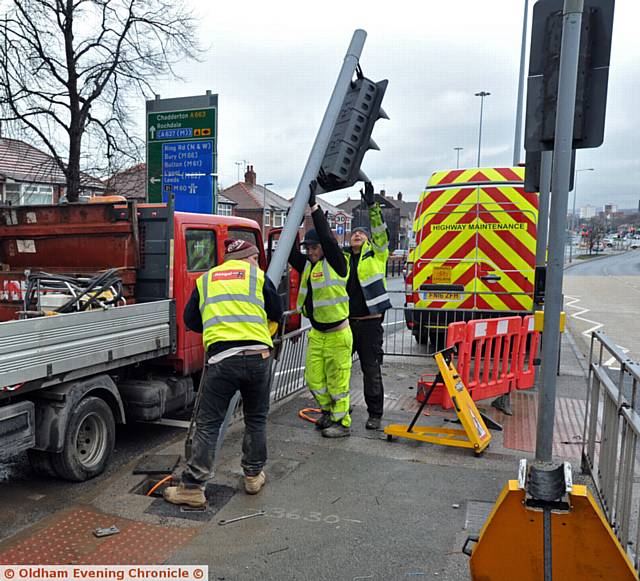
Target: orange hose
[
  {"x": 303, "y": 414},
  {"x": 159, "y": 484}
]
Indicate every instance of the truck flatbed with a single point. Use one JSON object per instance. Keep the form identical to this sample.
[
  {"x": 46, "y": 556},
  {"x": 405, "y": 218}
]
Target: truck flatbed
[{"x": 48, "y": 350}]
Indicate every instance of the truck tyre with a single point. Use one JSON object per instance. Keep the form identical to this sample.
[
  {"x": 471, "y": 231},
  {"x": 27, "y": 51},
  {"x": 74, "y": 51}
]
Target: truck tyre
[
  {"x": 41, "y": 462},
  {"x": 88, "y": 442}
]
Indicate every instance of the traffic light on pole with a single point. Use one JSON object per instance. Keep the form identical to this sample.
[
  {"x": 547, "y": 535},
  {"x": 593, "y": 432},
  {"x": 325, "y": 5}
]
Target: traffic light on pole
[{"x": 351, "y": 137}]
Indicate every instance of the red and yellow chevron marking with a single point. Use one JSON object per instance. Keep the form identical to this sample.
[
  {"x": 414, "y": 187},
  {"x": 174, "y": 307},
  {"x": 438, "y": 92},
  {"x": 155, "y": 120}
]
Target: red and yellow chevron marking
[
  {"x": 464, "y": 232},
  {"x": 476, "y": 175}
]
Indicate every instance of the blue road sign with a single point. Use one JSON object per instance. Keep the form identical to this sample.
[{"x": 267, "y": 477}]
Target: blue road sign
[
  {"x": 187, "y": 172},
  {"x": 340, "y": 229}
]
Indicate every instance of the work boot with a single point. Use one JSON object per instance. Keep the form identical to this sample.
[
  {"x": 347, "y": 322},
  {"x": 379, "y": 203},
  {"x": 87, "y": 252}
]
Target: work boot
[
  {"x": 253, "y": 484},
  {"x": 373, "y": 423},
  {"x": 324, "y": 421},
  {"x": 503, "y": 403},
  {"x": 336, "y": 431},
  {"x": 192, "y": 497}
]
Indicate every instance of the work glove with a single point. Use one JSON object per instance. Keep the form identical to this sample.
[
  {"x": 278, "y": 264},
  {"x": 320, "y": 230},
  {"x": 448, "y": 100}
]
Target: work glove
[
  {"x": 313, "y": 185},
  {"x": 367, "y": 194}
]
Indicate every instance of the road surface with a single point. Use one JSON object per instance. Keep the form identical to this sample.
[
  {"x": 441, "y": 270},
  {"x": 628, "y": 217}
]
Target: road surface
[{"x": 604, "y": 294}]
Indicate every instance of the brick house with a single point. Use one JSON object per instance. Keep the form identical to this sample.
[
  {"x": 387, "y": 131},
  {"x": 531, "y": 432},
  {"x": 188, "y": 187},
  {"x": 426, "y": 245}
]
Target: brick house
[
  {"x": 263, "y": 205},
  {"x": 257, "y": 202},
  {"x": 397, "y": 214},
  {"x": 30, "y": 176}
]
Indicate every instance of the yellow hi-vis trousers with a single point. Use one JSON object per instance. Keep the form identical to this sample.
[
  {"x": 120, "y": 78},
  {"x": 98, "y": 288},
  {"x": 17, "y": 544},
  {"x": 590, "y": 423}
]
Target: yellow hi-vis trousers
[{"x": 328, "y": 371}]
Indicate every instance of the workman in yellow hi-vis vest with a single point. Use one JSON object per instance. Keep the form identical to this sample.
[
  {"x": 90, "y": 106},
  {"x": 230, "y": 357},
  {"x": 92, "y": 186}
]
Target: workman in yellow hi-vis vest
[
  {"x": 324, "y": 301},
  {"x": 230, "y": 306},
  {"x": 368, "y": 301}
]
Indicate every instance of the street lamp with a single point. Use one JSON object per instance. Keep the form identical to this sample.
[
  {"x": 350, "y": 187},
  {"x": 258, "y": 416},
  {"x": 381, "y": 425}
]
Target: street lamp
[
  {"x": 523, "y": 47},
  {"x": 264, "y": 202},
  {"x": 482, "y": 95},
  {"x": 240, "y": 164},
  {"x": 575, "y": 190},
  {"x": 573, "y": 212},
  {"x": 458, "y": 150}
]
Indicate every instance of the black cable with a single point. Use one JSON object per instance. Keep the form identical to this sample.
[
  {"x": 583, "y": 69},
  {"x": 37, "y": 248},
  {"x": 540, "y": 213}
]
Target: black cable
[{"x": 107, "y": 281}]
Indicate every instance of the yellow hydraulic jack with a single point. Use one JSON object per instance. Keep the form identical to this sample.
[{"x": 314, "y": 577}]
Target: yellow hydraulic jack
[
  {"x": 544, "y": 527},
  {"x": 475, "y": 434}
]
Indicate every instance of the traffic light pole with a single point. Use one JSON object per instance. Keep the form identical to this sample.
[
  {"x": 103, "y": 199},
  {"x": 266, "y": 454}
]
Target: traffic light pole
[
  {"x": 561, "y": 170},
  {"x": 296, "y": 211}
]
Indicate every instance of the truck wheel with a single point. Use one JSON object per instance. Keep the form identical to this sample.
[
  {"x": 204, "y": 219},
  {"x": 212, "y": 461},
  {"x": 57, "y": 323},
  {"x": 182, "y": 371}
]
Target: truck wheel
[
  {"x": 89, "y": 441},
  {"x": 41, "y": 462}
]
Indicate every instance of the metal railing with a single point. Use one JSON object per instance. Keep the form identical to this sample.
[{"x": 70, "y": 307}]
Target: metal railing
[
  {"x": 610, "y": 438},
  {"x": 411, "y": 332},
  {"x": 287, "y": 375}
]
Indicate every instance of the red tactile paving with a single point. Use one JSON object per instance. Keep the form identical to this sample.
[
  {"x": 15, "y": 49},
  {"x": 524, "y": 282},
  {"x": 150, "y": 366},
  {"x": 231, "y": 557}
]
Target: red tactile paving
[
  {"x": 520, "y": 429},
  {"x": 67, "y": 538}
]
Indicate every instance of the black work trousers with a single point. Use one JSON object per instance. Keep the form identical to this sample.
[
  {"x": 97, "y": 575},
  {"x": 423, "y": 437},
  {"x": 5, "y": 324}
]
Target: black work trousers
[
  {"x": 367, "y": 342},
  {"x": 248, "y": 374}
]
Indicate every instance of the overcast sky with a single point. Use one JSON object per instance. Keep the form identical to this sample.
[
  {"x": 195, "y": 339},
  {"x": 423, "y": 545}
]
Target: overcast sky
[{"x": 274, "y": 64}]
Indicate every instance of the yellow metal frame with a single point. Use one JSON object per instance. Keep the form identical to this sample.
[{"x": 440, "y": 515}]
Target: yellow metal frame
[
  {"x": 474, "y": 435},
  {"x": 584, "y": 547}
]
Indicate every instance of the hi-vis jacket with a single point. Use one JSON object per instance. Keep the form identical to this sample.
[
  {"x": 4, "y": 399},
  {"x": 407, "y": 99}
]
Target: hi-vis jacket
[
  {"x": 232, "y": 304},
  {"x": 372, "y": 266},
  {"x": 328, "y": 291}
]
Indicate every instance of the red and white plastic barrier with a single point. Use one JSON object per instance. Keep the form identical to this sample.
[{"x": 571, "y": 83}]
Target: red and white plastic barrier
[{"x": 494, "y": 357}]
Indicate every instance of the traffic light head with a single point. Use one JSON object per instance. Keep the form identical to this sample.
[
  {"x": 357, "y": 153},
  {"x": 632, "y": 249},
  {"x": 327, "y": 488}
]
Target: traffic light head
[{"x": 351, "y": 137}]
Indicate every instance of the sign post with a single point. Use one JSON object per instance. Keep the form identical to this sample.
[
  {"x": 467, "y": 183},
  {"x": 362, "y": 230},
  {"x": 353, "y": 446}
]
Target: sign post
[
  {"x": 341, "y": 226},
  {"x": 182, "y": 152}
]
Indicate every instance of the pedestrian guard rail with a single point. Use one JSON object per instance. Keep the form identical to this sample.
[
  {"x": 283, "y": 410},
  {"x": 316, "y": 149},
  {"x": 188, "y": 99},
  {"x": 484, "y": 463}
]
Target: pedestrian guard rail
[
  {"x": 610, "y": 439},
  {"x": 494, "y": 357}
]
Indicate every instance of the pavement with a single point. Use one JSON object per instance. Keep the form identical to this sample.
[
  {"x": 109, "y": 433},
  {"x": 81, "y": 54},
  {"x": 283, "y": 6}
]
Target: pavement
[{"x": 356, "y": 508}]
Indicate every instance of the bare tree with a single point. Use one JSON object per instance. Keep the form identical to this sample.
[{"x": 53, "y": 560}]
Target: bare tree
[{"x": 70, "y": 71}]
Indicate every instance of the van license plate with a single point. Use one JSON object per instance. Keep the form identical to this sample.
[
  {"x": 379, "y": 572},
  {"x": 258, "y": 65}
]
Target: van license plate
[{"x": 441, "y": 296}]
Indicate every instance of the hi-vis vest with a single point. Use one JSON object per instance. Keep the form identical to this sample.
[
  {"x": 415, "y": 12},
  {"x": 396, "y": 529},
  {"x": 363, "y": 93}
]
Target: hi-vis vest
[
  {"x": 232, "y": 304},
  {"x": 329, "y": 292},
  {"x": 372, "y": 266}
]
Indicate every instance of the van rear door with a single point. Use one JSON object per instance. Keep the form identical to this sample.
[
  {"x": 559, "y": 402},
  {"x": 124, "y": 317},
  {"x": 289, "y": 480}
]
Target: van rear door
[
  {"x": 475, "y": 234},
  {"x": 506, "y": 248}
]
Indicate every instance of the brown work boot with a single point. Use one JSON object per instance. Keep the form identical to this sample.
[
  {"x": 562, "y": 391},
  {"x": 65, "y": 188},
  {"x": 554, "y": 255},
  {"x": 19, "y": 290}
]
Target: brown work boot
[
  {"x": 193, "y": 497},
  {"x": 253, "y": 484}
]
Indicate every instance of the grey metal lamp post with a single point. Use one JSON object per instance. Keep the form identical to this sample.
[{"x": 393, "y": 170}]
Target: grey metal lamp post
[
  {"x": 573, "y": 212},
  {"x": 264, "y": 202},
  {"x": 482, "y": 95},
  {"x": 458, "y": 150}
]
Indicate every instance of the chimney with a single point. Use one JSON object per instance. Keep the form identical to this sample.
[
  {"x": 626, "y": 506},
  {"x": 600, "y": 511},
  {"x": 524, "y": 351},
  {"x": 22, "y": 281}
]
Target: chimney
[
  {"x": 250, "y": 176},
  {"x": 399, "y": 196},
  {"x": 383, "y": 193}
]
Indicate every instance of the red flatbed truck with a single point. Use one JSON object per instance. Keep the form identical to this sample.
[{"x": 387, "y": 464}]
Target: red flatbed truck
[{"x": 67, "y": 380}]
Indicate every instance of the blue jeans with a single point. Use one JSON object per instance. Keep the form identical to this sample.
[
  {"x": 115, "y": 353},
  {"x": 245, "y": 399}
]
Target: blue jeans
[{"x": 250, "y": 375}]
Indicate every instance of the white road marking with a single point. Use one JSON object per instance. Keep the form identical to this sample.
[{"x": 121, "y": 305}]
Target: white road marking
[
  {"x": 571, "y": 302},
  {"x": 609, "y": 362}
]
